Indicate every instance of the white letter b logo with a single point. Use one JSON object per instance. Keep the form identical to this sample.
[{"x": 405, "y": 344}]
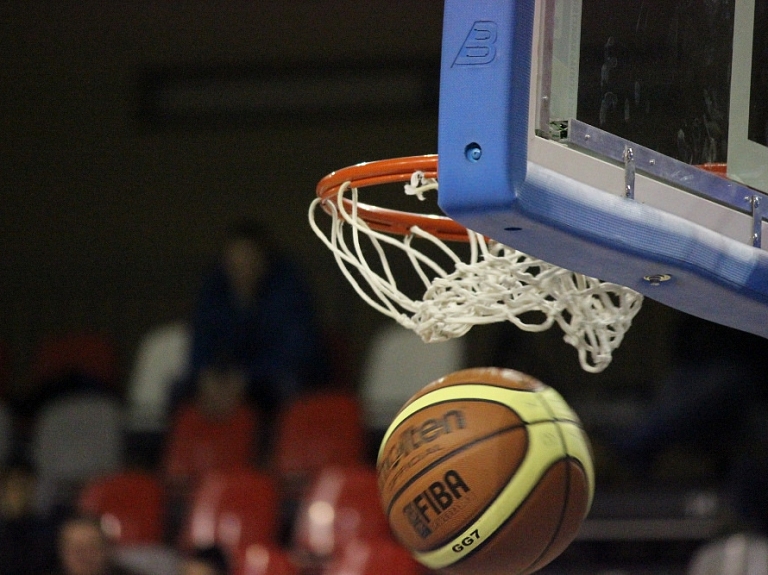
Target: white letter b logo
[{"x": 479, "y": 47}]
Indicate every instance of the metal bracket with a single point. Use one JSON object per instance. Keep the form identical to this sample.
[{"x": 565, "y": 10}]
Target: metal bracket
[
  {"x": 757, "y": 220},
  {"x": 629, "y": 172}
]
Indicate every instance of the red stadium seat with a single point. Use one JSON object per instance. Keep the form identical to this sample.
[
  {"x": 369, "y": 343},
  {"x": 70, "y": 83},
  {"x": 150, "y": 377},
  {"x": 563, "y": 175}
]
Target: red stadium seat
[
  {"x": 130, "y": 504},
  {"x": 233, "y": 509},
  {"x": 317, "y": 430},
  {"x": 340, "y": 506},
  {"x": 87, "y": 353},
  {"x": 196, "y": 445}
]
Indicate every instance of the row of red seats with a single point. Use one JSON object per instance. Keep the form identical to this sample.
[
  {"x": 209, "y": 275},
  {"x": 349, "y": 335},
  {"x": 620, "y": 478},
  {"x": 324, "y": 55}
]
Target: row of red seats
[
  {"x": 339, "y": 527},
  {"x": 315, "y": 430}
]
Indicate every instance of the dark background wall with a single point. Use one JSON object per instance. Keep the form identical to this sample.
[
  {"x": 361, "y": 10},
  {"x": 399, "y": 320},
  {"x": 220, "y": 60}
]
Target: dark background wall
[{"x": 109, "y": 217}]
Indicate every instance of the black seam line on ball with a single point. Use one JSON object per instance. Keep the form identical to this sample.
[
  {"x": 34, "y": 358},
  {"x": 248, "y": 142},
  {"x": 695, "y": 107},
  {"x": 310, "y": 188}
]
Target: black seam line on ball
[
  {"x": 566, "y": 498},
  {"x": 440, "y": 460},
  {"x": 493, "y": 535},
  {"x": 480, "y": 512}
]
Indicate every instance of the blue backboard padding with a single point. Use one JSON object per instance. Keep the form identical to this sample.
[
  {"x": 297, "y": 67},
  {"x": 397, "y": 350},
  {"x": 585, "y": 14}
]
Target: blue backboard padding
[
  {"x": 475, "y": 98},
  {"x": 484, "y": 95}
]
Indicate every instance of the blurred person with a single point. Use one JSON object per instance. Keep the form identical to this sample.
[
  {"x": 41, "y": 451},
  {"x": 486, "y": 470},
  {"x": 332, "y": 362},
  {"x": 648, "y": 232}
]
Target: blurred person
[
  {"x": 255, "y": 307},
  {"x": 25, "y": 537},
  {"x": 205, "y": 561},
  {"x": 84, "y": 549}
]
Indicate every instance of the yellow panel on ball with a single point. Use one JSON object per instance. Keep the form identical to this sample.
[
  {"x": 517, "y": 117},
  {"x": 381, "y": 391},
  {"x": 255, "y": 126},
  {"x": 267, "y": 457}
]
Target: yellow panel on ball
[{"x": 486, "y": 471}]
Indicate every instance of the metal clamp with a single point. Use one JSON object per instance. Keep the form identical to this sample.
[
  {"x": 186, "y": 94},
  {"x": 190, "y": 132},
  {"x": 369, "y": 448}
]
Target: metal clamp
[
  {"x": 757, "y": 220},
  {"x": 629, "y": 172}
]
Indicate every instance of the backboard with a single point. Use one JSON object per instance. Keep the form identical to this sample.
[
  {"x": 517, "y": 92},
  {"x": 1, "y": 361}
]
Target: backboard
[
  {"x": 748, "y": 127},
  {"x": 571, "y": 130}
]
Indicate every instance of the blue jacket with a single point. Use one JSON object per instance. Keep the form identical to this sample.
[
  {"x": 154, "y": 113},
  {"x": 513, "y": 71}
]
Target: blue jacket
[{"x": 275, "y": 339}]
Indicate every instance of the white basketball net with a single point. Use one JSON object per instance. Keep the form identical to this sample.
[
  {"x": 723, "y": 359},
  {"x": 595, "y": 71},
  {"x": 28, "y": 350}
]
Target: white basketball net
[{"x": 498, "y": 283}]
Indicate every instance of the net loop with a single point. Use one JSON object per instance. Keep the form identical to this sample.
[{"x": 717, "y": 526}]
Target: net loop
[
  {"x": 420, "y": 184},
  {"x": 491, "y": 283}
]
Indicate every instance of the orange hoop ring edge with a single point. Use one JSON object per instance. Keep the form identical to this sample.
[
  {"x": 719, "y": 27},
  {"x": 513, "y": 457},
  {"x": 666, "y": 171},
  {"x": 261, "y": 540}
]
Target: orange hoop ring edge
[{"x": 387, "y": 220}]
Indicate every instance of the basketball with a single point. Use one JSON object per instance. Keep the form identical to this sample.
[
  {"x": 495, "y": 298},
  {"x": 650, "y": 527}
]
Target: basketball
[{"x": 485, "y": 471}]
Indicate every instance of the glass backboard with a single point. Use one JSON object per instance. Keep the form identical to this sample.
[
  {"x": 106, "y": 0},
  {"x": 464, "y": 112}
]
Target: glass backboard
[
  {"x": 574, "y": 130},
  {"x": 748, "y": 134}
]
